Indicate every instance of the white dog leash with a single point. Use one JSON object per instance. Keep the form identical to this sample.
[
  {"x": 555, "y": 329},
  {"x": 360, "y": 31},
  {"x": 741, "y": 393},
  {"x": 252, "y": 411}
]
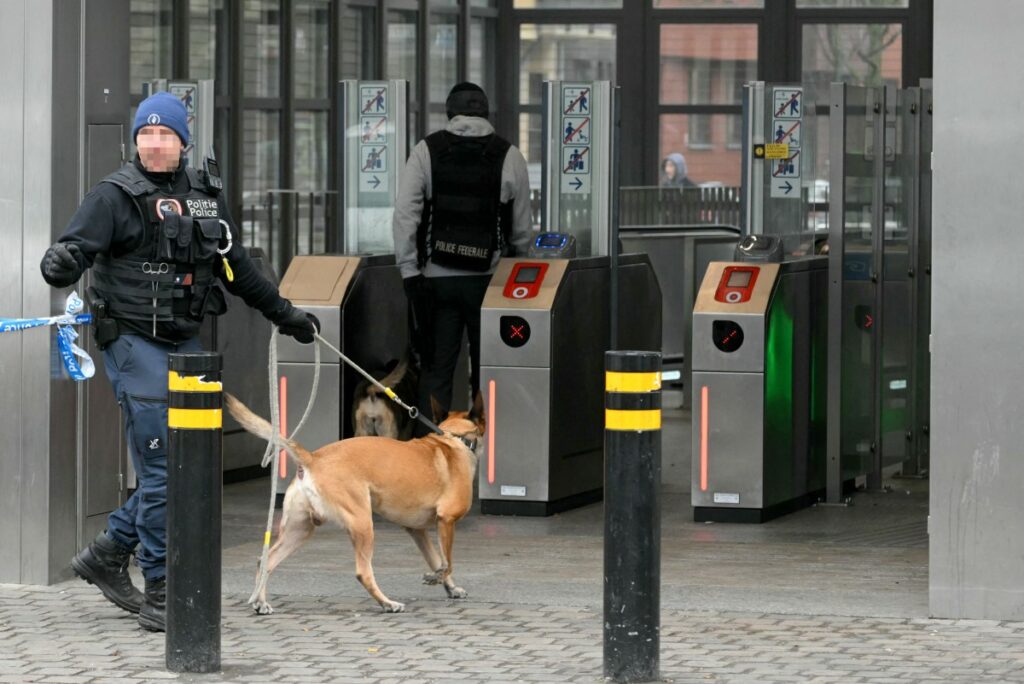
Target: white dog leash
[{"x": 277, "y": 444}]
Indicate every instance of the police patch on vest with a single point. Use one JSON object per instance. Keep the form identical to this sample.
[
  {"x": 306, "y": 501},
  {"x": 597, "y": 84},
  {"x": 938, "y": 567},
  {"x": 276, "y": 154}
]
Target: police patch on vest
[
  {"x": 167, "y": 205},
  {"x": 462, "y": 250},
  {"x": 458, "y": 247},
  {"x": 202, "y": 208},
  {"x": 195, "y": 207}
]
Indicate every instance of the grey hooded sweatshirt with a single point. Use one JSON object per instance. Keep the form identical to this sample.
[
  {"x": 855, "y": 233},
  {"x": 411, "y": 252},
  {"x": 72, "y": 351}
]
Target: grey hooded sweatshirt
[{"x": 414, "y": 188}]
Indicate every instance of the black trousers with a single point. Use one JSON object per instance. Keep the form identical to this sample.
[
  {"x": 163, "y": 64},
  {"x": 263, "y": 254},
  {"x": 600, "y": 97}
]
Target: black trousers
[{"x": 455, "y": 307}]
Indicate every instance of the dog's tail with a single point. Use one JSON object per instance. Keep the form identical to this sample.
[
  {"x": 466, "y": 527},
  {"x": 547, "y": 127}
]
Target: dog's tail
[
  {"x": 397, "y": 373},
  {"x": 262, "y": 428}
]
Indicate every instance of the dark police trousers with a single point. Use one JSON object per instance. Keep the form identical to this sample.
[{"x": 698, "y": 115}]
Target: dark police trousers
[
  {"x": 456, "y": 307},
  {"x": 137, "y": 369}
]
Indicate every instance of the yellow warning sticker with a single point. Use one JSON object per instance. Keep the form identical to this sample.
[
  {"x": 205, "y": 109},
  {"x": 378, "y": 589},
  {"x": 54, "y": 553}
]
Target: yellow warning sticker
[{"x": 776, "y": 151}]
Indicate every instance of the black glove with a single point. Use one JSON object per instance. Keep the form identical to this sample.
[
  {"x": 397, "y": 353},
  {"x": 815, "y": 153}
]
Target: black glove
[
  {"x": 299, "y": 324},
  {"x": 61, "y": 265}
]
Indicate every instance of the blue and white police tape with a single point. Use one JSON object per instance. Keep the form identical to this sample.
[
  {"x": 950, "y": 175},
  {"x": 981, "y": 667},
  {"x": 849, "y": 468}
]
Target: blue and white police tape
[{"x": 77, "y": 361}]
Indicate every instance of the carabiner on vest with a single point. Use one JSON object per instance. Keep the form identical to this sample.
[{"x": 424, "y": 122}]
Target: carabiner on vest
[{"x": 228, "y": 273}]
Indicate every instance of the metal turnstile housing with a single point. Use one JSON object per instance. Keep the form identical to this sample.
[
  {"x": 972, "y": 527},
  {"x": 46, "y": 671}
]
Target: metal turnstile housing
[
  {"x": 361, "y": 306},
  {"x": 759, "y": 408},
  {"x": 545, "y": 398}
]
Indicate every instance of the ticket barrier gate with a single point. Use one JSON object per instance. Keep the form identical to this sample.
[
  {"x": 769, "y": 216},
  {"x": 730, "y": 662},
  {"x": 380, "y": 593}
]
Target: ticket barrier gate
[
  {"x": 361, "y": 306},
  {"x": 544, "y": 329},
  {"x": 759, "y": 389}
]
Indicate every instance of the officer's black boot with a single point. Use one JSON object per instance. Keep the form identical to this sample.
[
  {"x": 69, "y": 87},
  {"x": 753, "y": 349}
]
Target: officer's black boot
[
  {"x": 153, "y": 615},
  {"x": 104, "y": 563}
]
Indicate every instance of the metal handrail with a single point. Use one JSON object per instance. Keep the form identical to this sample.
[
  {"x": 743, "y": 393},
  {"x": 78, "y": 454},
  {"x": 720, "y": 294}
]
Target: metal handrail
[
  {"x": 277, "y": 223},
  {"x": 658, "y": 206}
]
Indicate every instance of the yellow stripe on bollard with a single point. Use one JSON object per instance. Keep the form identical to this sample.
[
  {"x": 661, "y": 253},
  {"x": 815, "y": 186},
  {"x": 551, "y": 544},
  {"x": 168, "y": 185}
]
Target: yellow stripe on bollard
[
  {"x": 191, "y": 383},
  {"x": 615, "y": 419},
  {"x": 195, "y": 419},
  {"x": 631, "y": 382}
]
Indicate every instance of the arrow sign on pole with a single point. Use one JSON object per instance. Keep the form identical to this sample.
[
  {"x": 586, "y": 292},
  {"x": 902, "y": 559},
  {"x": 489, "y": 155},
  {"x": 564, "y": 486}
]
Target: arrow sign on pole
[
  {"x": 375, "y": 182},
  {"x": 576, "y": 183},
  {"x": 788, "y": 187}
]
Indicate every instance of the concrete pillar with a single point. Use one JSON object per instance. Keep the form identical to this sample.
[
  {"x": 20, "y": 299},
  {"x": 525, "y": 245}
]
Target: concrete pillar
[
  {"x": 976, "y": 567},
  {"x": 52, "y": 88}
]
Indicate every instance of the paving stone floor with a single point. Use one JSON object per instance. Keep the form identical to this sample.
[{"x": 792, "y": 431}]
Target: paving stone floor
[
  {"x": 68, "y": 633},
  {"x": 822, "y": 595}
]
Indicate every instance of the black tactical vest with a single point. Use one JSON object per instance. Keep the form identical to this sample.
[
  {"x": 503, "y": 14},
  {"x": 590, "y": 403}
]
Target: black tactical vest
[
  {"x": 168, "y": 280},
  {"x": 465, "y": 222}
]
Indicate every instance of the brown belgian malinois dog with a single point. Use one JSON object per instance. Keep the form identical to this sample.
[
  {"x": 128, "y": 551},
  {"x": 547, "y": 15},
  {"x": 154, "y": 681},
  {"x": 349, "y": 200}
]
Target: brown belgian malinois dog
[{"x": 415, "y": 484}]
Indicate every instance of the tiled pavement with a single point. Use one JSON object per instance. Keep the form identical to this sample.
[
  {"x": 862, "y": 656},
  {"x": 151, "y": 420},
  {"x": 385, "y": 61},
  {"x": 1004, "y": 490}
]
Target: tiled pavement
[
  {"x": 822, "y": 595},
  {"x": 68, "y": 633}
]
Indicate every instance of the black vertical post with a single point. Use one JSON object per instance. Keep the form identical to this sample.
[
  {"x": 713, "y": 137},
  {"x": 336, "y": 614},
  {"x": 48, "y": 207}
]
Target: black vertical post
[
  {"x": 632, "y": 516},
  {"x": 613, "y": 223},
  {"x": 270, "y": 234},
  {"x": 312, "y": 227},
  {"x": 546, "y": 222},
  {"x": 194, "y": 512}
]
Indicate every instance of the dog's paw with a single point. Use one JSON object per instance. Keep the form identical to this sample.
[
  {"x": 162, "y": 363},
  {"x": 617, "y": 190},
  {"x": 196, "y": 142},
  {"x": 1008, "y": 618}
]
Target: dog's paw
[
  {"x": 432, "y": 578},
  {"x": 262, "y": 608},
  {"x": 393, "y": 607},
  {"x": 456, "y": 592}
]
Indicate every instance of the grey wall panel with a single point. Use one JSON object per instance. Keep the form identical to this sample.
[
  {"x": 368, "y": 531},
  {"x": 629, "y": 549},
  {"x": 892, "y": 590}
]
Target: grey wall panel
[
  {"x": 976, "y": 545},
  {"x": 66, "y": 119},
  {"x": 105, "y": 85},
  {"x": 49, "y": 513},
  {"x": 66, "y": 173},
  {"x": 12, "y": 140},
  {"x": 37, "y": 494},
  {"x": 64, "y": 156},
  {"x": 41, "y": 183},
  {"x": 103, "y": 462}
]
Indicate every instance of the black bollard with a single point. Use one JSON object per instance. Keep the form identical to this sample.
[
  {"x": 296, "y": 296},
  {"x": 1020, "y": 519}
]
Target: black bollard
[
  {"x": 194, "y": 512},
  {"x": 632, "y": 516}
]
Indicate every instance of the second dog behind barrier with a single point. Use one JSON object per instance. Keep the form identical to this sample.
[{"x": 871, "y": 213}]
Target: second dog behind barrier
[{"x": 374, "y": 414}]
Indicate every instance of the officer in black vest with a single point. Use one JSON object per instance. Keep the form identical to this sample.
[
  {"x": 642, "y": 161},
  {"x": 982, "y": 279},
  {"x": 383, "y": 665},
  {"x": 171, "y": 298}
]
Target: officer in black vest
[
  {"x": 157, "y": 235},
  {"x": 463, "y": 203}
]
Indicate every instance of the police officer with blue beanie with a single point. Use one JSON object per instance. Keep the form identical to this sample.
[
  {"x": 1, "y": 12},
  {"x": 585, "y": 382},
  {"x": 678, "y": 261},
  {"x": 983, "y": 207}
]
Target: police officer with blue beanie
[{"x": 157, "y": 235}]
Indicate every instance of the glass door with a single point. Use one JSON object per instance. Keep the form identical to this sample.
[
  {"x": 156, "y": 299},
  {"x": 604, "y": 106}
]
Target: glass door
[
  {"x": 855, "y": 205},
  {"x": 900, "y": 218},
  {"x": 557, "y": 52}
]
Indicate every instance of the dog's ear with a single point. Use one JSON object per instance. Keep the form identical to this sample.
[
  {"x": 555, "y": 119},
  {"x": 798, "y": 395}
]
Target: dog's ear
[
  {"x": 476, "y": 414},
  {"x": 435, "y": 407}
]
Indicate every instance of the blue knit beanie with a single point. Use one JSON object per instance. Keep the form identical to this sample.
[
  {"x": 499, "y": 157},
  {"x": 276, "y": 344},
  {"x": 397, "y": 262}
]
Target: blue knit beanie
[{"x": 162, "y": 109}]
